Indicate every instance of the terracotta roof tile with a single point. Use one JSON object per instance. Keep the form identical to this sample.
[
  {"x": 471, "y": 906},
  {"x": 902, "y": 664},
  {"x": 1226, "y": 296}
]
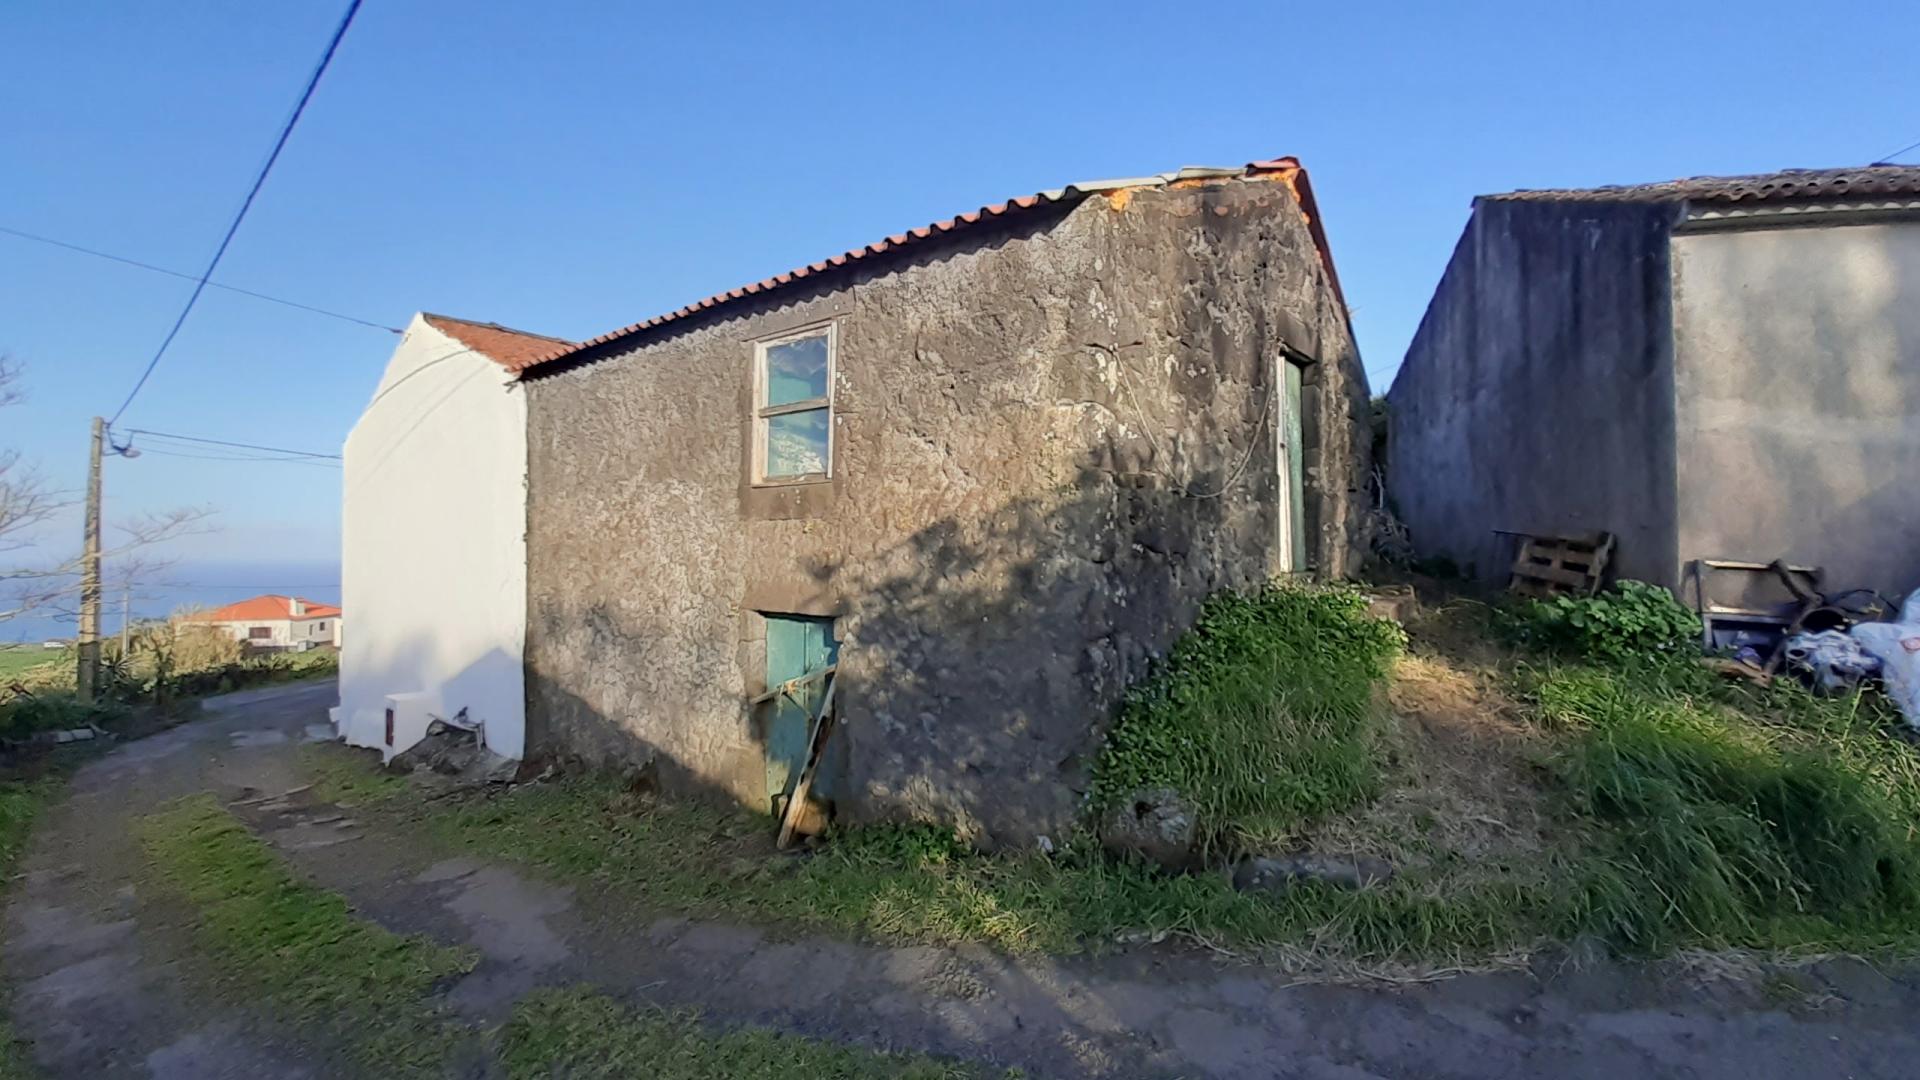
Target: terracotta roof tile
[
  {"x": 503, "y": 345},
  {"x": 1285, "y": 169},
  {"x": 266, "y": 608}
]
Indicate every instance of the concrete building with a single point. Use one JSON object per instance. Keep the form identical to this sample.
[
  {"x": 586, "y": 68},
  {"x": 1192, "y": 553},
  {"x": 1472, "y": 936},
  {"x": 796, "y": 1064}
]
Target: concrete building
[
  {"x": 433, "y": 555},
  {"x": 277, "y": 623},
  {"x": 1715, "y": 368},
  {"x": 990, "y": 467}
]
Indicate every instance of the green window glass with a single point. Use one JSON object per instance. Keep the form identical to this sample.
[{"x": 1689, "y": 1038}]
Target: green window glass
[
  {"x": 797, "y": 444},
  {"x": 797, "y": 370}
]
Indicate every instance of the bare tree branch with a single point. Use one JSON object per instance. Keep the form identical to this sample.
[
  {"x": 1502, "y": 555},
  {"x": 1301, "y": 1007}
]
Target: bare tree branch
[
  {"x": 26, "y": 503},
  {"x": 10, "y": 393}
]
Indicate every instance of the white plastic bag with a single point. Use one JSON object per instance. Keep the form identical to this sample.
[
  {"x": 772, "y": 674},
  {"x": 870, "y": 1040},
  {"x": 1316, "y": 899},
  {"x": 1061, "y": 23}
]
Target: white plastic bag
[{"x": 1897, "y": 645}]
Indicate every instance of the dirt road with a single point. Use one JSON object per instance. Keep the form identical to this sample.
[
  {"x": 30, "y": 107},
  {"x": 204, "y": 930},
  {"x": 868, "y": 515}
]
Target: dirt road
[{"x": 94, "y": 960}]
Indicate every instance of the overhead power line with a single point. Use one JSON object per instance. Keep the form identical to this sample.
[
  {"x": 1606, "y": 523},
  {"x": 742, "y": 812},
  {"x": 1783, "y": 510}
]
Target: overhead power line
[
  {"x": 1888, "y": 160},
  {"x": 286, "y": 131},
  {"x": 246, "y": 459},
  {"x": 233, "y": 445},
  {"x": 24, "y": 235}
]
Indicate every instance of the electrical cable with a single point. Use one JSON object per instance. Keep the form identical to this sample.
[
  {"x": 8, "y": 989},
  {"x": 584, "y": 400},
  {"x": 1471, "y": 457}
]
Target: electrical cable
[
  {"x": 224, "y": 457},
  {"x": 24, "y": 235},
  {"x": 1888, "y": 160},
  {"x": 234, "y": 445},
  {"x": 259, "y": 181}
]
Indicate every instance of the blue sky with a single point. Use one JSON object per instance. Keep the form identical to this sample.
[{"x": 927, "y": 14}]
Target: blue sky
[{"x": 570, "y": 167}]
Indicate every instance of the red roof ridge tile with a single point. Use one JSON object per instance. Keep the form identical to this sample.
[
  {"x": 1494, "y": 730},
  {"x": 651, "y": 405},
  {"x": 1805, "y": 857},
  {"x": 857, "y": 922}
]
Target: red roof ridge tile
[
  {"x": 267, "y": 607},
  {"x": 504, "y": 345},
  {"x": 1287, "y": 169}
]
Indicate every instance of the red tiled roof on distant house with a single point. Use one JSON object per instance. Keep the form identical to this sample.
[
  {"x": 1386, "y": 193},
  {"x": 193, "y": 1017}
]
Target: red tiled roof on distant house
[
  {"x": 510, "y": 348},
  {"x": 269, "y": 608},
  {"x": 1284, "y": 170}
]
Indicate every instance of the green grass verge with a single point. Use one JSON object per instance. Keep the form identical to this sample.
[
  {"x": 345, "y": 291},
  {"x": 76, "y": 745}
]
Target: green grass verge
[
  {"x": 582, "y": 1035},
  {"x": 21, "y": 803},
  {"x": 372, "y": 991},
  {"x": 906, "y": 884},
  {"x": 1683, "y": 811},
  {"x": 300, "y": 946}
]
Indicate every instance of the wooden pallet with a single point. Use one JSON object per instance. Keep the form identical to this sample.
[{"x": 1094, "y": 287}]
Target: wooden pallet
[{"x": 1550, "y": 566}]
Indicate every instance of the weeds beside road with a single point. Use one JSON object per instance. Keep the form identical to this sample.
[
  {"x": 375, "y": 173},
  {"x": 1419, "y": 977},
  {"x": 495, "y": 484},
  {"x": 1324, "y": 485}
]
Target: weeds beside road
[
  {"x": 378, "y": 995},
  {"x": 1674, "y": 811},
  {"x": 275, "y": 936}
]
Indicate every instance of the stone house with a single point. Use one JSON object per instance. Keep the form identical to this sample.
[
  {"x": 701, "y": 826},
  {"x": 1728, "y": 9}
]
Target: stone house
[
  {"x": 1720, "y": 368},
  {"x": 990, "y": 466}
]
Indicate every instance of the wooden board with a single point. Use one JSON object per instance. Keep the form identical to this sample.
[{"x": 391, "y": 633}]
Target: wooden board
[{"x": 1550, "y": 566}]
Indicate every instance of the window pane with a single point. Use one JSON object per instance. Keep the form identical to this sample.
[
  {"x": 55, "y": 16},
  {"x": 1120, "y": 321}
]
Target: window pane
[
  {"x": 797, "y": 370},
  {"x": 797, "y": 443}
]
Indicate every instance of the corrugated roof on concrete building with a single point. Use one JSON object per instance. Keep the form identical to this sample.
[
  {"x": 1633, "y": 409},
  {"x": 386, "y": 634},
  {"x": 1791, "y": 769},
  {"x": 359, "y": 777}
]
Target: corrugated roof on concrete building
[{"x": 1788, "y": 184}]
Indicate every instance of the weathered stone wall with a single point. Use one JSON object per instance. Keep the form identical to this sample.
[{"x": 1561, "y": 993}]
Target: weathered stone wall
[{"x": 1052, "y": 439}]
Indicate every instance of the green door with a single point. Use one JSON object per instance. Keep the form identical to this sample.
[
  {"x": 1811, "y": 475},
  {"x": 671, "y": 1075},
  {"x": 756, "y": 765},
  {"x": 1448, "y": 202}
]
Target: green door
[
  {"x": 796, "y": 645},
  {"x": 1295, "y": 471}
]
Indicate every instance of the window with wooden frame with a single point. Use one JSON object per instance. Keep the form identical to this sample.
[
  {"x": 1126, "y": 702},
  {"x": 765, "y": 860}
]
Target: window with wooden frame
[{"x": 793, "y": 407}]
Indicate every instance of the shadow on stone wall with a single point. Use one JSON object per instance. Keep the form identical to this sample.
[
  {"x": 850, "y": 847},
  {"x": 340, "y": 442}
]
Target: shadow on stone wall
[{"x": 984, "y": 654}]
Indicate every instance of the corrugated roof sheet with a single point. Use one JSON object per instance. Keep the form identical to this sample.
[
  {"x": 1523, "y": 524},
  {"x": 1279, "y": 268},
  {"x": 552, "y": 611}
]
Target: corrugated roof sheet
[
  {"x": 502, "y": 344},
  {"x": 1284, "y": 169},
  {"x": 1866, "y": 181}
]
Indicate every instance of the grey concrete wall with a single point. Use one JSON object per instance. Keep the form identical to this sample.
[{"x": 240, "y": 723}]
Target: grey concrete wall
[
  {"x": 1537, "y": 395},
  {"x": 1797, "y": 373},
  {"x": 1052, "y": 441}
]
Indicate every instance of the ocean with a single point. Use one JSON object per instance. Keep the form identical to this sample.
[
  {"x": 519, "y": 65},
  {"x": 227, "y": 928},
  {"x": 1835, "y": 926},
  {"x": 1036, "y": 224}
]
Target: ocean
[{"x": 179, "y": 587}]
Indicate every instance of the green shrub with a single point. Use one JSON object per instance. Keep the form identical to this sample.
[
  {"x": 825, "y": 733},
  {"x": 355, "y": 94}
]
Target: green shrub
[
  {"x": 1632, "y": 620},
  {"x": 1263, "y": 716},
  {"x": 25, "y": 716}
]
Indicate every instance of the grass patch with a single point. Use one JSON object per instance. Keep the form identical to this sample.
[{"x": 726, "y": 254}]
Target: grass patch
[
  {"x": 1728, "y": 817},
  {"x": 16, "y": 660},
  {"x": 21, "y": 803},
  {"x": 370, "y": 990},
  {"x": 910, "y": 884},
  {"x": 582, "y": 1035},
  {"x": 1660, "y": 808},
  {"x": 300, "y": 946},
  {"x": 1263, "y": 717}
]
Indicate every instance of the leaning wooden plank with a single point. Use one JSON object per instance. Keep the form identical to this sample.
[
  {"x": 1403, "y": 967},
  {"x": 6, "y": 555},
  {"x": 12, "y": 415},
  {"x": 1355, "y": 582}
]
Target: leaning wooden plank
[
  {"x": 793, "y": 684},
  {"x": 817, "y": 734}
]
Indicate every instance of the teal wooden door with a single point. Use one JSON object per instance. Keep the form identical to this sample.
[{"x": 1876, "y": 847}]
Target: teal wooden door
[
  {"x": 796, "y": 645},
  {"x": 1296, "y": 470}
]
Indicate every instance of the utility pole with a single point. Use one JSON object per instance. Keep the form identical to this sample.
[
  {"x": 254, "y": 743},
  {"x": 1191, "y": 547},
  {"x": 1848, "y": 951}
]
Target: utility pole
[
  {"x": 126, "y": 622},
  {"x": 89, "y": 674}
]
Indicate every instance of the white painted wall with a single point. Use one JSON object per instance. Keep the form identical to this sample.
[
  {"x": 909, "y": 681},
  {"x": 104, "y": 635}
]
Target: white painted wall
[
  {"x": 1797, "y": 398},
  {"x": 434, "y": 546}
]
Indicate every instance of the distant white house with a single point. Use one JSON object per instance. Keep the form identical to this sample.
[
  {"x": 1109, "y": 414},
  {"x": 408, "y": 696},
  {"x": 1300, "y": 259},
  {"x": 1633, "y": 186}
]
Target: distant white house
[
  {"x": 434, "y": 541},
  {"x": 277, "y": 622}
]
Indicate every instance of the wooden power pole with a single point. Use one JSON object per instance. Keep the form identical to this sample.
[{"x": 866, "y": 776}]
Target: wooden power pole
[{"x": 88, "y": 677}]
